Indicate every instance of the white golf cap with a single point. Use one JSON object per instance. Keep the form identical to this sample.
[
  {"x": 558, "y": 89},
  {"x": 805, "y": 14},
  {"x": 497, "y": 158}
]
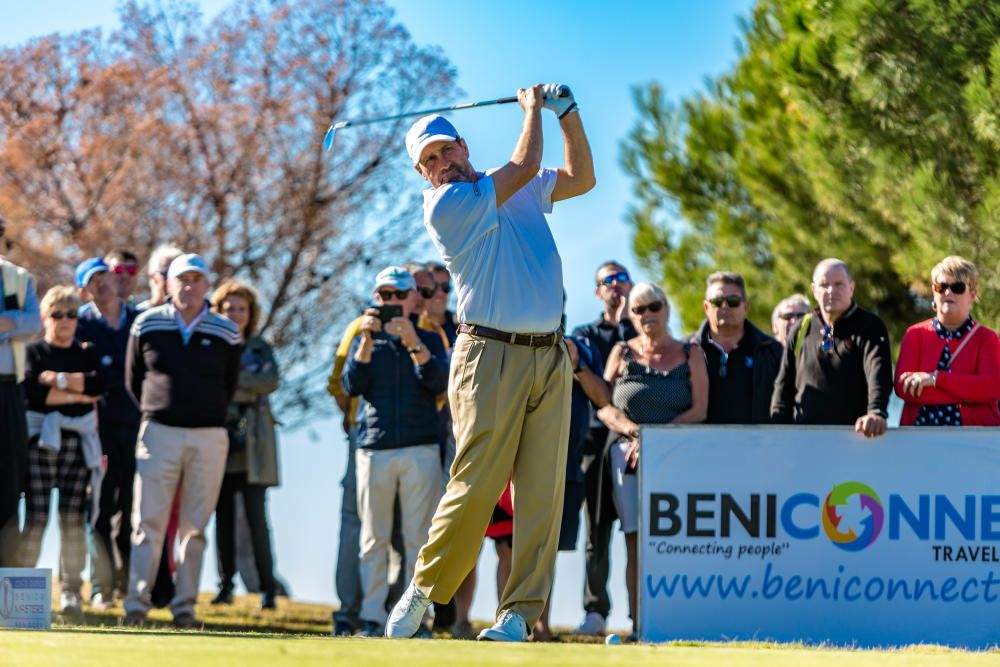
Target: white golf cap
[
  {"x": 426, "y": 131},
  {"x": 395, "y": 277},
  {"x": 185, "y": 263}
]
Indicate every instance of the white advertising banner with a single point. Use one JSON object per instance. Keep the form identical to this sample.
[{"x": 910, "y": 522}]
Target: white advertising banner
[
  {"x": 26, "y": 598},
  {"x": 816, "y": 534}
]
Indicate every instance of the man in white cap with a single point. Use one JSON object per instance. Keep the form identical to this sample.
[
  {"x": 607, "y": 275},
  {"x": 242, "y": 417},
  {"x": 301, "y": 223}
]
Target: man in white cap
[
  {"x": 181, "y": 368},
  {"x": 511, "y": 375},
  {"x": 400, "y": 371}
]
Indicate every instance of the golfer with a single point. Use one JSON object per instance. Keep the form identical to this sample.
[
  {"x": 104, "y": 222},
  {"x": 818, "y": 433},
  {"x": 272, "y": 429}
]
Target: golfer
[{"x": 510, "y": 377}]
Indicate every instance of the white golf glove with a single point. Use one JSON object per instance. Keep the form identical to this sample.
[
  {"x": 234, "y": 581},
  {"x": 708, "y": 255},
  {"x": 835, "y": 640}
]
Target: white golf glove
[{"x": 559, "y": 99}]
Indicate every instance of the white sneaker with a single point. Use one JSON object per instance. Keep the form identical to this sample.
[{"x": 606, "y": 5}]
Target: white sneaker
[
  {"x": 408, "y": 614},
  {"x": 70, "y": 602},
  {"x": 592, "y": 626},
  {"x": 100, "y": 603},
  {"x": 510, "y": 627}
]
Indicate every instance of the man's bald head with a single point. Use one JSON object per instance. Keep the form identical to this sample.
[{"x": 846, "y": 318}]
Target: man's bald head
[{"x": 831, "y": 263}]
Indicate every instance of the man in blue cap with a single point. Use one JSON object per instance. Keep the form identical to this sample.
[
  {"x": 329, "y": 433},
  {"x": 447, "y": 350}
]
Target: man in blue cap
[
  {"x": 104, "y": 323},
  {"x": 181, "y": 368}
]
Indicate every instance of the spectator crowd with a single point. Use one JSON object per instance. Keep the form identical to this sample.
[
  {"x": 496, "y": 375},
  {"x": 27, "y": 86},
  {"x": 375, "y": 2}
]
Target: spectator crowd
[{"x": 150, "y": 417}]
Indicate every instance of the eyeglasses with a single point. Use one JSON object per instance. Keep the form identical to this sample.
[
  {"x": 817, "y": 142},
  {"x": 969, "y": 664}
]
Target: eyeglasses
[
  {"x": 791, "y": 316},
  {"x": 427, "y": 292},
  {"x": 612, "y": 278},
  {"x": 445, "y": 287},
  {"x": 400, "y": 294},
  {"x": 63, "y": 314},
  {"x": 654, "y": 307},
  {"x": 130, "y": 269},
  {"x": 957, "y": 287},
  {"x": 826, "y": 345},
  {"x": 733, "y": 300}
]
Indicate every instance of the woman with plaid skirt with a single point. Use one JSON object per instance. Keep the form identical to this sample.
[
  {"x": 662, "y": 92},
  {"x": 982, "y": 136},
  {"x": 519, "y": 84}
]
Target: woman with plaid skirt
[{"x": 64, "y": 451}]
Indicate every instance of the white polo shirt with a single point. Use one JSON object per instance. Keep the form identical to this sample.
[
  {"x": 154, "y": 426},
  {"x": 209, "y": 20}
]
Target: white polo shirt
[{"x": 504, "y": 262}]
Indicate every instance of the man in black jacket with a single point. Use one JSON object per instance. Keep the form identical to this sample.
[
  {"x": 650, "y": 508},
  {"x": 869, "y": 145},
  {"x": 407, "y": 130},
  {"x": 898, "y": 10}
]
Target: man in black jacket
[
  {"x": 181, "y": 368},
  {"x": 400, "y": 371},
  {"x": 742, "y": 360},
  {"x": 104, "y": 322},
  {"x": 837, "y": 365}
]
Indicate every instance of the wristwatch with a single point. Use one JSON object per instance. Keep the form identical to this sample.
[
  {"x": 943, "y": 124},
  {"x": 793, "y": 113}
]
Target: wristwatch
[
  {"x": 416, "y": 349},
  {"x": 61, "y": 380}
]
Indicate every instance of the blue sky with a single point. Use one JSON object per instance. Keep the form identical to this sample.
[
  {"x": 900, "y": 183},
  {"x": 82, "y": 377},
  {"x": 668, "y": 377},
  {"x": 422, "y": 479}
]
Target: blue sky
[{"x": 601, "y": 49}]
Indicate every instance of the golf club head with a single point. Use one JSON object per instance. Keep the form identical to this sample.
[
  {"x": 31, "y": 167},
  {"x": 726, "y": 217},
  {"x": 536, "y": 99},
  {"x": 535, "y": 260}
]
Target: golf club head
[{"x": 332, "y": 133}]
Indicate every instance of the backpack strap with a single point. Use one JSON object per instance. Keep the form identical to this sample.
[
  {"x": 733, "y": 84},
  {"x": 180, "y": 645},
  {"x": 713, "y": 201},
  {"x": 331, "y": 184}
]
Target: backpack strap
[{"x": 800, "y": 335}]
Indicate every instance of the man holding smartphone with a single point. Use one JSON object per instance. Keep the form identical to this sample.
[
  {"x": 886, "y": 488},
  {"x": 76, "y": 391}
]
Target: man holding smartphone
[{"x": 399, "y": 371}]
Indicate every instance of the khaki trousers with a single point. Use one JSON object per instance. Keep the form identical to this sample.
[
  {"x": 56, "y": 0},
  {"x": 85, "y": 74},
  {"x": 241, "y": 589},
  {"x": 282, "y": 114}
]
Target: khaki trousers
[
  {"x": 165, "y": 456},
  {"x": 510, "y": 406}
]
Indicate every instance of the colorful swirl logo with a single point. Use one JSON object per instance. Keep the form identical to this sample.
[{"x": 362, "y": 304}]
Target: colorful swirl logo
[{"x": 872, "y": 522}]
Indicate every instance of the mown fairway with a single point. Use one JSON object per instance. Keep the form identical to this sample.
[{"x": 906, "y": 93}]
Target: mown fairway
[{"x": 297, "y": 634}]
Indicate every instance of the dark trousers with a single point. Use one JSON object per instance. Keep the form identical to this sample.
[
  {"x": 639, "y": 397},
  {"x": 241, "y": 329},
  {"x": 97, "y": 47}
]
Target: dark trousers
[
  {"x": 111, "y": 540},
  {"x": 64, "y": 470},
  {"x": 600, "y": 525},
  {"x": 13, "y": 467},
  {"x": 254, "y": 503}
]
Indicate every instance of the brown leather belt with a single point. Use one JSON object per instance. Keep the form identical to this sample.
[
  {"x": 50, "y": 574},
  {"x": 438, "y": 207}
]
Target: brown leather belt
[{"x": 530, "y": 340}]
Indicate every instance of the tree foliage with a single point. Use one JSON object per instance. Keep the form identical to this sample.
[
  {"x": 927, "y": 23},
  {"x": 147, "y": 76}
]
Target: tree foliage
[
  {"x": 208, "y": 135},
  {"x": 851, "y": 128}
]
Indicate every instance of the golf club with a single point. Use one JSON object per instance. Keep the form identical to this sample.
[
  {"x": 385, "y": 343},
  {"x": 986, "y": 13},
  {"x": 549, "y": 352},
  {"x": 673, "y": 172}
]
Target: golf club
[{"x": 339, "y": 125}]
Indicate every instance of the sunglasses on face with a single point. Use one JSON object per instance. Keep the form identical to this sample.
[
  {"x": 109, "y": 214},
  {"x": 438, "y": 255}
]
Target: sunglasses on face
[
  {"x": 63, "y": 314},
  {"x": 445, "y": 287},
  {"x": 788, "y": 317},
  {"x": 654, "y": 307},
  {"x": 612, "y": 278},
  {"x": 427, "y": 292},
  {"x": 400, "y": 294},
  {"x": 130, "y": 269},
  {"x": 957, "y": 287},
  {"x": 733, "y": 300}
]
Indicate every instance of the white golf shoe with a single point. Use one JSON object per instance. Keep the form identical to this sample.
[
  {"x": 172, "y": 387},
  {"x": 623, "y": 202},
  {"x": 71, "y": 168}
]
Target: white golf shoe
[
  {"x": 408, "y": 614},
  {"x": 510, "y": 627},
  {"x": 592, "y": 625}
]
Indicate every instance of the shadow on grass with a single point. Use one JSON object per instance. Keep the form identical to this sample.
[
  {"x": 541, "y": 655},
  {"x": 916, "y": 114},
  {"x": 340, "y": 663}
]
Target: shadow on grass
[{"x": 92, "y": 622}]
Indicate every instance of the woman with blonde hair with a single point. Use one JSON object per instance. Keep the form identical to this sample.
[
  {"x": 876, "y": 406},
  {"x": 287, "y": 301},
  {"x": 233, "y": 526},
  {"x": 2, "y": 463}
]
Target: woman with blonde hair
[
  {"x": 252, "y": 462},
  {"x": 62, "y": 383},
  {"x": 655, "y": 379},
  {"x": 948, "y": 372}
]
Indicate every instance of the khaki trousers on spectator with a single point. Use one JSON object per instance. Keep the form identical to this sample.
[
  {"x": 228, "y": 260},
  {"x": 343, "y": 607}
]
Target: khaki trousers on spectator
[
  {"x": 166, "y": 456},
  {"x": 510, "y": 406},
  {"x": 414, "y": 474}
]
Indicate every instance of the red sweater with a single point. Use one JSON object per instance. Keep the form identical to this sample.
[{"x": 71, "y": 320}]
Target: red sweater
[{"x": 973, "y": 382}]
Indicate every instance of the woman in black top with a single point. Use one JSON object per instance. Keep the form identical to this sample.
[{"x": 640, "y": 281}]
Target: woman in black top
[{"x": 61, "y": 383}]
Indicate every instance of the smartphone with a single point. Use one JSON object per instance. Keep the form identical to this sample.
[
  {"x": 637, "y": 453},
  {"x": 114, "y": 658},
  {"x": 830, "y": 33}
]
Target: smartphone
[{"x": 388, "y": 311}]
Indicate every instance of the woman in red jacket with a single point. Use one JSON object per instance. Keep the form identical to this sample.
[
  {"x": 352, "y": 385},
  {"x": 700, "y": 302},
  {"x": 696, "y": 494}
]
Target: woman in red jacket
[{"x": 948, "y": 372}]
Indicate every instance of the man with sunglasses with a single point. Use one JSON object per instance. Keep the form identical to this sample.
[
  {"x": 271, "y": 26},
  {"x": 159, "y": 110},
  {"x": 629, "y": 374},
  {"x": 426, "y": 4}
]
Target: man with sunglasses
[
  {"x": 399, "y": 370},
  {"x": 837, "y": 364},
  {"x": 104, "y": 323},
  {"x": 613, "y": 285},
  {"x": 742, "y": 361},
  {"x": 437, "y": 304},
  {"x": 124, "y": 266},
  {"x": 20, "y": 320},
  {"x": 511, "y": 375}
]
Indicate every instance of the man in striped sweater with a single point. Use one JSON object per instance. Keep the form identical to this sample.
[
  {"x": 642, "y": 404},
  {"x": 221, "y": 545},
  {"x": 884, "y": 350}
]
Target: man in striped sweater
[{"x": 181, "y": 369}]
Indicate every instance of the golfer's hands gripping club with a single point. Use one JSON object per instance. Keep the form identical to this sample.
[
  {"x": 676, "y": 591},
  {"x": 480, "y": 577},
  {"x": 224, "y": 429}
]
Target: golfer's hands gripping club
[
  {"x": 558, "y": 99},
  {"x": 532, "y": 98}
]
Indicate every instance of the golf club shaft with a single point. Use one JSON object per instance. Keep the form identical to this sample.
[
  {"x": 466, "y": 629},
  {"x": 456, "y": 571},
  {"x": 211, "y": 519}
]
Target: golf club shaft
[{"x": 468, "y": 105}]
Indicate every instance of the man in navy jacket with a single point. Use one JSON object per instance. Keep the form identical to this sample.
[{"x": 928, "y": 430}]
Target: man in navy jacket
[{"x": 400, "y": 371}]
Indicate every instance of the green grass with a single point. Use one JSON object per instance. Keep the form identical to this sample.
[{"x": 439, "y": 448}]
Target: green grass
[{"x": 297, "y": 635}]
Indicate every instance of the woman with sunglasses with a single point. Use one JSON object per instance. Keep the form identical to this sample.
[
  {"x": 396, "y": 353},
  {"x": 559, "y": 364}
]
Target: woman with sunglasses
[
  {"x": 655, "y": 379},
  {"x": 949, "y": 366},
  {"x": 62, "y": 383}
]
